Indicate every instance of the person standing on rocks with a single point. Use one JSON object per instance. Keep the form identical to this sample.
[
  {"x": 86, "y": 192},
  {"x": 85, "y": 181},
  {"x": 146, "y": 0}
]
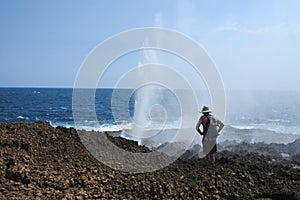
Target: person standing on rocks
[{"x": 211, "y": 127}]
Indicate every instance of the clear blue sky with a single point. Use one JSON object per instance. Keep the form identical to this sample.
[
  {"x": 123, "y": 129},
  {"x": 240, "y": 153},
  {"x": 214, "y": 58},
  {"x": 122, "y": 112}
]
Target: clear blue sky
[{"x": 254, "y": 43}]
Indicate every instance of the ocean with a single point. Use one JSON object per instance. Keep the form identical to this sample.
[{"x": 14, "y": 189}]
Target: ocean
[{"x": 251, "y": 116}]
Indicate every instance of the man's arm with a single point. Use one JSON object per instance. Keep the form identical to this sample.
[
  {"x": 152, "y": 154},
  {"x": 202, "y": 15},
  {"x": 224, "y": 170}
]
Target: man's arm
[
  {"x": 198, "y": 127},
  {"x": 221, "y": 125}
]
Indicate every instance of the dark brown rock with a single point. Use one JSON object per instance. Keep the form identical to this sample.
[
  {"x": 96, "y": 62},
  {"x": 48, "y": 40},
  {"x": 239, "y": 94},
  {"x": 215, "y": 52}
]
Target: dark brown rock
[{"x": 39, "y": 161}]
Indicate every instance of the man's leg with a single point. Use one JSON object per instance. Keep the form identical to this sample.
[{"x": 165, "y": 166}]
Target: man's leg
[{"x": 213, "y": 157}]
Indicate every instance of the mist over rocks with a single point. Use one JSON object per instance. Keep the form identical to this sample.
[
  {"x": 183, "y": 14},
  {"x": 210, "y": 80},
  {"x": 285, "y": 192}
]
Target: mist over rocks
[
  {"x": 289, "y": 152},
  {"x": 38, "y": 161}
]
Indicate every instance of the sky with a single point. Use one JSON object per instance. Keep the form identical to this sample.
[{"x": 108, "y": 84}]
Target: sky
[{"x": 254, "y": 43}]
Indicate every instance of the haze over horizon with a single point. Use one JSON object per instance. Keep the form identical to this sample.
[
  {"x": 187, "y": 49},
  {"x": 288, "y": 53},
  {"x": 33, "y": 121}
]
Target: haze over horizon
[{"x": 254, "y": 44}]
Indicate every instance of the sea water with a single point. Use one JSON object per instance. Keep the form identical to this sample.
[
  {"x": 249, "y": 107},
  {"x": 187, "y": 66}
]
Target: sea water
[{"x": 251, "y": 116}]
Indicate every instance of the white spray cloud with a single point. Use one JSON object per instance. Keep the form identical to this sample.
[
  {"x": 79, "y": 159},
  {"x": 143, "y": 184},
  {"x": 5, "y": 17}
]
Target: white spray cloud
[
  {"x": 281, "y": 28},
  {"x": 186, "y": 16},
  {"x": 158, "y": 20}
]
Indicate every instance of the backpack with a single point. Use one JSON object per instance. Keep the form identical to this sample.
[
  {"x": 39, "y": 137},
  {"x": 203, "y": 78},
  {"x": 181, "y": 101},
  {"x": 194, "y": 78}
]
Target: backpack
[{"x": 213, "y": 127}]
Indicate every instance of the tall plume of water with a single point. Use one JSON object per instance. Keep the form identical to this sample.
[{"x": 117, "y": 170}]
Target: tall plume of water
[
  {"x": 158, "y": 115},
  {"x": 147, "y": 99},
  {"x": 145, "y": 95}
]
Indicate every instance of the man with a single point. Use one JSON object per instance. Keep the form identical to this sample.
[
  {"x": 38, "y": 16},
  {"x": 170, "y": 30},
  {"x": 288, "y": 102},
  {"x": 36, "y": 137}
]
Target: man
[{"x": 211, "y": 129}]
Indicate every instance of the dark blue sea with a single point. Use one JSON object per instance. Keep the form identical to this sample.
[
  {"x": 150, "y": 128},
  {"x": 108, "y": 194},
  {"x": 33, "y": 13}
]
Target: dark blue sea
[
  {"x": 50, "y": 104},
  {"x": 268, "y": 116}
]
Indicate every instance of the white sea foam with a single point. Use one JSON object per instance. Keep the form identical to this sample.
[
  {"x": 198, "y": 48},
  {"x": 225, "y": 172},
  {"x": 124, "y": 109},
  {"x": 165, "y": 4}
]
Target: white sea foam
[
  {"x": 254, "y": 134},
  {"x": 243, "y": 127},
  {"x": 23, "y": 118},
  {"x": 265, "y": 127}
]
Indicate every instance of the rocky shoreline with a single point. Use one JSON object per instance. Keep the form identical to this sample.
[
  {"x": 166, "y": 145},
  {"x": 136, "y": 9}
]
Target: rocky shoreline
[{"x": 38, "y": 161}]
